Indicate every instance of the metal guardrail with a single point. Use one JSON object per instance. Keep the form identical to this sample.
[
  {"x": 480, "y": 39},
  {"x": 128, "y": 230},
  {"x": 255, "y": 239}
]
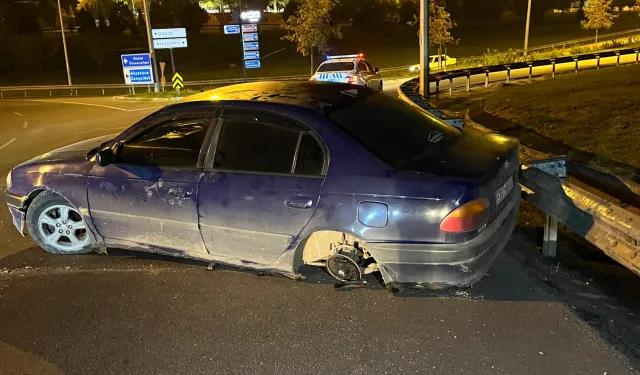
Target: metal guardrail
[{"x": 611, "y": 228}]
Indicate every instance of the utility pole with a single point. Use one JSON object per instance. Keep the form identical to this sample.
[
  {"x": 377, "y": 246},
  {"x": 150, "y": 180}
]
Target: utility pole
[
  {"x": 526, "y": 32},
  {"x": 244, "y": 67},
  {"x": 424, "y": 48},
  {"x": 152, "y": 51},
  {"x": 64, "y": 44}
]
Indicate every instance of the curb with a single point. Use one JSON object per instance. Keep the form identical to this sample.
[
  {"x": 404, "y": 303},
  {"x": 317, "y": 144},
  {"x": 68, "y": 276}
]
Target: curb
[{"x": 133, "y": 98}]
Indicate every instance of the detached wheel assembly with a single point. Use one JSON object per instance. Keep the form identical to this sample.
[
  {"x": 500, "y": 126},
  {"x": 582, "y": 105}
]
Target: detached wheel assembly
[{"x": 343, "y": 268}]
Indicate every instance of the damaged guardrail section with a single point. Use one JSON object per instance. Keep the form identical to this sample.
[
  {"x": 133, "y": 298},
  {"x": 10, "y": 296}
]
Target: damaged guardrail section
[{"x": 546, "y": 184}]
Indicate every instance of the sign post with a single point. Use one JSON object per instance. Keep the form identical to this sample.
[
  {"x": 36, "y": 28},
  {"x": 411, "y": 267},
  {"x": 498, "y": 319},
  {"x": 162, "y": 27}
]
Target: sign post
[
  {"x": 163, "y": 81},
  {"x": 170, "y": 39},
  {"x": 248, "y": 39},
  {"x": 138, "y": 69},
  {"x": 147, "y": 21}
]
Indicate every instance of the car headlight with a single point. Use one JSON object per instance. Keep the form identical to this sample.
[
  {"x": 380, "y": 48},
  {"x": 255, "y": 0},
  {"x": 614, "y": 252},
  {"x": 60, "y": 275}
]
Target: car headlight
[{"x": 9, "y": 180}]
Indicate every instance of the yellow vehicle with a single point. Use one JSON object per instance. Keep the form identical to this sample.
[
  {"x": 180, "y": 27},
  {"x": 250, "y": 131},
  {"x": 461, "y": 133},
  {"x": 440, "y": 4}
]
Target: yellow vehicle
[{"x": 436, "y": 62}]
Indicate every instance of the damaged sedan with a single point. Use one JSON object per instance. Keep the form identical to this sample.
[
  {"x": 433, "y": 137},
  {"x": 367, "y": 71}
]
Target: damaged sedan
[{"x": 273, "y": 176}]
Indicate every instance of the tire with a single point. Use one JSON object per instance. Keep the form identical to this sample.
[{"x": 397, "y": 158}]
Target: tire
[
  {"x": 52, "y": 232},
  {"x": 381, "y": 88}
]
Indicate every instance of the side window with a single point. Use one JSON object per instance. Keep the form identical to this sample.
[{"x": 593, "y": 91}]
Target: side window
[
  {"x": 310, "y": 158},
  {"x": 369, "y": 66},
  {"x": 261, "y": 142},
  {"x": 361, "y": 66},
  {"x": 175, "y": 142}
]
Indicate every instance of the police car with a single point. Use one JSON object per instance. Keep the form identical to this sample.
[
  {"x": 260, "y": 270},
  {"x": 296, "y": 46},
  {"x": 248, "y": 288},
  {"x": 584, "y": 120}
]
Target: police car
[{"x": 352, "y": 69}]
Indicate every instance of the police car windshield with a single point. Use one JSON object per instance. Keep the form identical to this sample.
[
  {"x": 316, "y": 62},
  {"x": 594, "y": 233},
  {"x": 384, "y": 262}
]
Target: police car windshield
[{"x": 335, "y": 66}]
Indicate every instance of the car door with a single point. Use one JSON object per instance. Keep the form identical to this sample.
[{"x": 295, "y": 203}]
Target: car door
[
  {"x": 261, "y": 185},
  {"x": 148, "y": 196},
  {"x": 375, "y": 77},
  {"x": 365, "y": 74}
]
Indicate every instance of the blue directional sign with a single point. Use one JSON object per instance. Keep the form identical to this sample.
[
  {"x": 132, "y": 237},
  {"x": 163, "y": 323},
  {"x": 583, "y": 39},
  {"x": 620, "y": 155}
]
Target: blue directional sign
[
  {"x": 232, "y": 29},
  {"x": 251, "y": 46},
  {"x": 250, "y": 37},
  {"x": 251, "y": 55},
  {"x": 251, "y": 64},
  {"x": 143, "y": 75},
  {"x": 139, "y": 59}
]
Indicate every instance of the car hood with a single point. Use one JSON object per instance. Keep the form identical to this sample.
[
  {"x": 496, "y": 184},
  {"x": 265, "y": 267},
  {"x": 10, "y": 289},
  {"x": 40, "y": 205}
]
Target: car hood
[{"x": 65, "y": 159}]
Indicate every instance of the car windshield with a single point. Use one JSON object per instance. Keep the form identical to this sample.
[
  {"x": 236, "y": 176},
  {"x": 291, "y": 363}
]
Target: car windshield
[
  {"x": 393, "y": 130},
  {"x": 335, "y": 66}
]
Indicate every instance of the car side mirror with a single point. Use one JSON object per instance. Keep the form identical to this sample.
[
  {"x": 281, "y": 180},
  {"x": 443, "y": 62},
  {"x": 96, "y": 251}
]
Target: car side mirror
[
  {"x": 376, "y": 69},
  {"x": 105, "y": 157}
]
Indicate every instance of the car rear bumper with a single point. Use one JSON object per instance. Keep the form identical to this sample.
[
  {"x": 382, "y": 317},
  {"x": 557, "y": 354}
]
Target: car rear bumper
[
  {"x": 444, "y": 265},
  {"x": 17, "y": 205}
]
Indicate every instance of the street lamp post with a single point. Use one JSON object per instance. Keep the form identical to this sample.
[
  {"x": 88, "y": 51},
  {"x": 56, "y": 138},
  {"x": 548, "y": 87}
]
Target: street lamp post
[
  {"x": 526, "y": 32},
  {"x": 152, "y": 51},
  {"x": 64, "y": 44},
  {"x": 424, "y": 47}
]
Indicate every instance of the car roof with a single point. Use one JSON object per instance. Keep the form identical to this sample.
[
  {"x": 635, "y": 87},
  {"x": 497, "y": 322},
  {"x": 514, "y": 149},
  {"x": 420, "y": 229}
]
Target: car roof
[
  {"x": 319, "y": 96},
  {"x": 345, "y": 59}
]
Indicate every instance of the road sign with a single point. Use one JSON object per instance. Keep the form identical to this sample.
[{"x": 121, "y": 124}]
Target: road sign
[
  {"x": 140, "y": 76},
  {"x": 178, "y": 82},
  {"x": 138, "y": 59},
  {"x": 163, "y": 81},
  {"x": 249, "y": 28},
  {"x": 250, "y": 37},
  {"x": 170, "y": 43},
  {"x": 251, "y": 55},
  {"x": 169, "y": 33},
  {"x": 232, "y": 29},
  {"x": 251, "y": 64},
  {"x": 251, "y": 46}
]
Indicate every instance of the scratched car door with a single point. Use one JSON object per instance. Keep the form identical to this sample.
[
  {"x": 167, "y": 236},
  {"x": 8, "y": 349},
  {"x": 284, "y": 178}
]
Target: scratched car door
[
  {"x": 149, "y": 195},
  {"x": 262, "y": 188}
]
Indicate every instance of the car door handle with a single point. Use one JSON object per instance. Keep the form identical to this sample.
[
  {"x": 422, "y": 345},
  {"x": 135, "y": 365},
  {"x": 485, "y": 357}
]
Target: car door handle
[{"x": 299, "y": 202}]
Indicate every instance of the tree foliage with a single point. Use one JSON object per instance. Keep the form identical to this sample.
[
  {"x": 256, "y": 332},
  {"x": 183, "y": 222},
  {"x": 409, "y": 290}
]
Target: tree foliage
[
  {"x": 311, "y": 26},
  {"x": 192, "y": 17},
  {"x": 120, "y": 19},
  {"x": 598, "y": 16},
  {"x": 440, "y": 25}
]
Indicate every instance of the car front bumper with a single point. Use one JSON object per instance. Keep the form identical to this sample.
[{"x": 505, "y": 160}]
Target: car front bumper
[
  {"x": 437, "y": 266},
  {"x": 17, "y": 205}
]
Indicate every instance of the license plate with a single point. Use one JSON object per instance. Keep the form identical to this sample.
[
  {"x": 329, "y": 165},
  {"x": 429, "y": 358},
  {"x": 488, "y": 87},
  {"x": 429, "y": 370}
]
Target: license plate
[{"x": 504, "y": 191}]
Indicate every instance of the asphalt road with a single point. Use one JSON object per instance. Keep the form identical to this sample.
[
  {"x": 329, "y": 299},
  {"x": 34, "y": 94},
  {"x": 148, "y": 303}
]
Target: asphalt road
[{"x": 137, "y": 314}]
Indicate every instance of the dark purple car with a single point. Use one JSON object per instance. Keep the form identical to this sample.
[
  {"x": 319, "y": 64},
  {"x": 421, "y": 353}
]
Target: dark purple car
[{"x": 272, "y": 176}]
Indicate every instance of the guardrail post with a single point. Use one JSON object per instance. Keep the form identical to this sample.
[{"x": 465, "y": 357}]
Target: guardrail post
[
  {"x": 102, "y": 92},
  {"x": 438, "y": 88},
  {"x": 508, "y": 73},
  {"x": 597, "y": 61},
  {"x": 617, "y": 58},
  {"x": 576, "y": 61},
  {"x": 553, "y": 68},
  {"x": 451, "y": 86},
  {"x": 468, "y": 81},
  {"x": 486, "y": 78},
  {"x": 25, "y": 94},
  {"x": 50, "y": 93},
  {"x": 550, "y": 241},
  {"x": 1, "y": 95},
  {"x": 637, "y": 53},
  {"x": 530, "y": 70}
]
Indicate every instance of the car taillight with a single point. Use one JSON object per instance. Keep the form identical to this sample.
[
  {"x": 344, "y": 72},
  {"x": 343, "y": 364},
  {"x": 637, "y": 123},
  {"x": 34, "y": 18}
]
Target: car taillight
[
  {"x": 353, "y": 79},
  {"x": 467, "y": 217}
]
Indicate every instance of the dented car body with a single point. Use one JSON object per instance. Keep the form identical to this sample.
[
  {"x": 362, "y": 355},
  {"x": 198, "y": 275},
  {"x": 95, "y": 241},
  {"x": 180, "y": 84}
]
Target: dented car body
[{"x": 272, "y": 176}]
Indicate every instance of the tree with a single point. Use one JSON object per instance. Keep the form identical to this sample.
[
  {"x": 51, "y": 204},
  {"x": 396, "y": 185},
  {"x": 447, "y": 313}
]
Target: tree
[
  {"x": 440, "y": 25},
  {"x": 598, "y": 16},
  {"x": 22, "y": 18},
  {"x": 192, "y": 17},
  {"x": 85, "y": 21},
  {"x": 290, "y": 9},
  {"x": 120, "y": 19},
  {"x": 310, "y": 27}
]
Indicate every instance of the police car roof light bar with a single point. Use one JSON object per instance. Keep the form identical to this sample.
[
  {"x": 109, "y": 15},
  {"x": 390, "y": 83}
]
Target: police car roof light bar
[{"x": 345, "y": 56}]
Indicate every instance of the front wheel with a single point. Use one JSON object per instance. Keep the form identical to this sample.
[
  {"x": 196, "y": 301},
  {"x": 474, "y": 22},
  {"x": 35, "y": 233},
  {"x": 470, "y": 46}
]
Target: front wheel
[{"x": 58, "y": 227}]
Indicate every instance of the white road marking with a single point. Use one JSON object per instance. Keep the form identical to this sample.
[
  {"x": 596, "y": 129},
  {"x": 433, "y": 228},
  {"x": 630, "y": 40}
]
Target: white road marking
[
  {"x": 18, "y": 114},
  {"x": 92, "y": 105},
  {"x": 7, "y": 144},
  {"x": 24, "y": 126}
]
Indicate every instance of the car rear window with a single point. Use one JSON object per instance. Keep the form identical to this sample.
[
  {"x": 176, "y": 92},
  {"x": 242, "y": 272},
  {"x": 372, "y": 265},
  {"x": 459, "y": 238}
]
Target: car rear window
[
  {"x": 335, "y": 66},
  {"x": 394, "y": 131}
]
